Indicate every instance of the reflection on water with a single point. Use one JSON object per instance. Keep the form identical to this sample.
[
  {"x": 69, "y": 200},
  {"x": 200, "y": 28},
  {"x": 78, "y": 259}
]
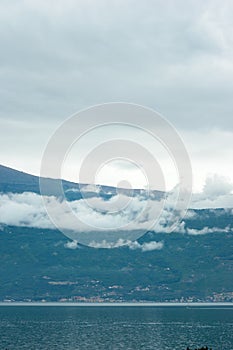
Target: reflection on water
[{"x": 161, "y": 328}]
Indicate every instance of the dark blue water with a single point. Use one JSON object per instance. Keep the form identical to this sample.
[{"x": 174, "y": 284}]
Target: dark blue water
[{"x": 160, "y": 328}]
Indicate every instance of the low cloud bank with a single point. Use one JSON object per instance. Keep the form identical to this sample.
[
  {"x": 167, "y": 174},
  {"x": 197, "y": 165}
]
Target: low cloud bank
[
  {"x": 136, "y": 213},
  {"x": 205, "y": 230},
  {"x": 120, "y": 212},
  {"x": 133, "y": 245}
]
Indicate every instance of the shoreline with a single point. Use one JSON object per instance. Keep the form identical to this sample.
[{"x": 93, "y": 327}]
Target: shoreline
[{"x": 123, "y": 304}]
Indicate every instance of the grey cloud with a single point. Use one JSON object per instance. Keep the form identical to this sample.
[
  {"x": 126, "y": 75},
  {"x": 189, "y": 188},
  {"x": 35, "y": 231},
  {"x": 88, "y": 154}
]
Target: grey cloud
[{"x": 176, "y": 58}]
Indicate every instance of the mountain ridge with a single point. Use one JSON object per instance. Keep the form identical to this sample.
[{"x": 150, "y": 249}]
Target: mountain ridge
[{"x": 16, "y": 181}]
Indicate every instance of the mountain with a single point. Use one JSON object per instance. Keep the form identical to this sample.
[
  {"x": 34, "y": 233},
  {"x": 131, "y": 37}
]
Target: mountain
[
  {"x": 37, "y": 265},
  {"x": 15, "y": 181},
  {"x": 41, "y": 264}
]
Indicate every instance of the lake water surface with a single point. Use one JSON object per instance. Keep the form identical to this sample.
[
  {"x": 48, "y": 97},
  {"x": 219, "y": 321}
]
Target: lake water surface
[{"x": 115, "y": 327}]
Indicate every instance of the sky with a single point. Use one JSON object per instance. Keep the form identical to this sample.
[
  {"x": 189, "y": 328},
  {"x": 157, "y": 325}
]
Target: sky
[{"x": 176, "y": 57}]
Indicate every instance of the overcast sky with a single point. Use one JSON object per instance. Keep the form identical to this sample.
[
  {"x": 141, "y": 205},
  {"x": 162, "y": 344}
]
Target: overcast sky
[{"x": 176, "y": 57}]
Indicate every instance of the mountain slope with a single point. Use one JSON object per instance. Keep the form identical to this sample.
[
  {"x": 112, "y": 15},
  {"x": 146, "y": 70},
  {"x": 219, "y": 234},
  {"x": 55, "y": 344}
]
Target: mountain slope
[
  {"x": 12, "y": 180},
  {"x": 38, "y": 264},
  {"x": 15, "y": 181}
]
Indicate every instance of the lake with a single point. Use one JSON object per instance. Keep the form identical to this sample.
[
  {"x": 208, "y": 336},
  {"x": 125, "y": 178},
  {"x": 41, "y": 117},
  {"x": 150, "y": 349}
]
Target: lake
[{"x": 115, "y": 327}]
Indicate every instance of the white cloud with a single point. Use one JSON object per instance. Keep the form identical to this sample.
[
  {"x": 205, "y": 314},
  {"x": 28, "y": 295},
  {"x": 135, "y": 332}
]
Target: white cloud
[
  {"x": 27, "y": 209},
  {"x": 217, "y": 193},
  {"x": 23, "y": 210},
  {"x": 205, "y": 230},
  {"x": 119, "y": 214},
  {"x": 217, "y": 186},
  {"x": 71, "y": 245},
  {"x": 144, "y": 247},
  {"x": 153, "y": 245}
]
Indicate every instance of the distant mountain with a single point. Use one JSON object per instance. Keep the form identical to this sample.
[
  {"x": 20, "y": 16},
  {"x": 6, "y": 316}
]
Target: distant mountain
[
  {"x": 42, "y": 264},
  {"x": 15, "y": 181},
  {"x": 37, "y": 265}
]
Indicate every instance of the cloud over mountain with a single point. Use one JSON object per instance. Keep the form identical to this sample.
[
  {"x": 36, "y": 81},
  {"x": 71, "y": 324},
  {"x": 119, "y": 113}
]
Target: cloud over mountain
[{"x": 118, "y": 213}]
